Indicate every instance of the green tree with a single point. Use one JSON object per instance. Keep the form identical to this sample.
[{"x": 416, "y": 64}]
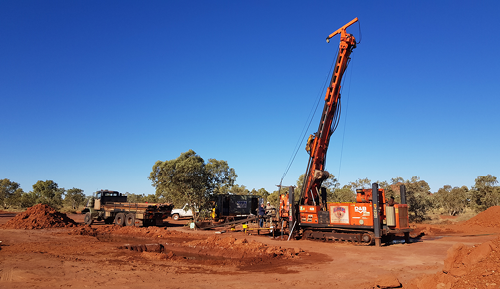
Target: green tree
[
  {"x": 484, "y": 193},
  {"x": 142, "y": 198},
  {"x": 15, "y": 199},
  {"x": 220, "y": 176},
  {"x": 331, "y": 183},
  {"x": 10, "y": 193},
  {"x": 392, "y": 189},
  {"x": 298, "y": 188},
  {"x": 263, "y": 193},
  {"x": 452, "y": 200},
  {"x": 361, "y": 184},
  {"x": 28, "y": 200},
  {"x": 335, "y": 193},
  {"x": 418, "y": 198},
  {"x": 260, "y": 192},
  {"x": 187, "y": 179},
  {"x": 239, "y": 190},
  {"x": 74, "y": 197},
  {"x": 397, "y": 180},
  {"x": 48, "y": 192},
  {"x": 134, "y": 198},
  {"x": 344, "y": 194},
  {"x": 151, "y": 199}
]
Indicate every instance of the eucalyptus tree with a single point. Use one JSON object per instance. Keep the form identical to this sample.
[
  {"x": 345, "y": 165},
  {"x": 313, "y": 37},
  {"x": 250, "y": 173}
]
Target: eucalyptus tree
[
  {"x": 10, "y": 193},
  {"x": 418, "y": 198},
  {"x": 484, "y": 193},
  {"x": 48, "y": 192},
  {"x": 188, "y": 179},
  {"x": 453, "y": 200},
  {"x": 239, "y": 190},
  {"x": 74, "y": 197}
]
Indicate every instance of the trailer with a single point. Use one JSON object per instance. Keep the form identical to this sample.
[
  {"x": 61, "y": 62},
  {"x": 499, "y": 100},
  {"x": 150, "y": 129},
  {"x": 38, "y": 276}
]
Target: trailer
[
  {"x": 231, "y": 210},
  {"x": 233, "y": 207}
]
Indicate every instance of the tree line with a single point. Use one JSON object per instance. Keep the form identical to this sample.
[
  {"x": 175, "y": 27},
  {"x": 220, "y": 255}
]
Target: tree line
[
  {"x": 190, "y": 179},
  {"x": 44, "y": 192},
  {"x": 421, "y": 202}
]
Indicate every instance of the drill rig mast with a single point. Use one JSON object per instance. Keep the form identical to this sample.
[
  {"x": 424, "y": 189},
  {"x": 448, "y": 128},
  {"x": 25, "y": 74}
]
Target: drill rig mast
[{"x": 317, "y": 145}]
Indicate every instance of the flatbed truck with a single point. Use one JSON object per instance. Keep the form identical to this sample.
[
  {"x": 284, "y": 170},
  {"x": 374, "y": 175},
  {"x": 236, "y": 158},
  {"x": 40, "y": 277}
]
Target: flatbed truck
[{"x": 112, "y": 208}]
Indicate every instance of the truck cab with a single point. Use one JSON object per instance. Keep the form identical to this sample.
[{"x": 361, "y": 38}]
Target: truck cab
[{"x": 103, "y": 197}]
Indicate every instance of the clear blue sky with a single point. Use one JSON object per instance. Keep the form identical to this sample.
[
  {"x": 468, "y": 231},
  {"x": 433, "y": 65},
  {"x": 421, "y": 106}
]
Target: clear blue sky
[{"x": 93, "y": 93}]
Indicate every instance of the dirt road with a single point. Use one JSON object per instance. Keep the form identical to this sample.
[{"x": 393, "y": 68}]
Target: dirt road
[{"x": 176, "y": 257}]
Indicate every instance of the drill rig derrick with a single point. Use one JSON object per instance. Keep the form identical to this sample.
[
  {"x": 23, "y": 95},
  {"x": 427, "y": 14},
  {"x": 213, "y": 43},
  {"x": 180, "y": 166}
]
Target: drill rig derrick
[{"x": 317, "y": 145}]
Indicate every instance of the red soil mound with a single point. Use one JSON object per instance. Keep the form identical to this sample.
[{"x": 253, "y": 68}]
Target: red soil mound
[
  {"x": 488, "y": 218},
  {"x": 466, "y": 267},
  {"x": 39, "y": 217},
  {"x": 484, "y": 222}
]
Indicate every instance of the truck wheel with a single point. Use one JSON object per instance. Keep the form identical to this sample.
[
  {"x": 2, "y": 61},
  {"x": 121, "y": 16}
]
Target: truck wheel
[
  {"x": 130, "y": 219},
  {"x": 175, "y": 217},
  {"x": 88, "y": 219},
  {"x": 120, "y": 219}
]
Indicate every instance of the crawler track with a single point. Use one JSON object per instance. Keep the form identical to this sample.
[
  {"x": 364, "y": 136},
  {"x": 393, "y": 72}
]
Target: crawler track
[{"x": 364, "y": 238}]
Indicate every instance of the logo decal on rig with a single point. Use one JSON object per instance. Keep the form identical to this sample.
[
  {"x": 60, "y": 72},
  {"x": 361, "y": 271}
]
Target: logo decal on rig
[
  {"x": 339, "y": 212},
  {"x": 359, "y": 209}
]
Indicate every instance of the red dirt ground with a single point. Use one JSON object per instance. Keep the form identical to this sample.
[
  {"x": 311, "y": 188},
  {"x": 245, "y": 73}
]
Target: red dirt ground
[{"x": 44, "y": 249}]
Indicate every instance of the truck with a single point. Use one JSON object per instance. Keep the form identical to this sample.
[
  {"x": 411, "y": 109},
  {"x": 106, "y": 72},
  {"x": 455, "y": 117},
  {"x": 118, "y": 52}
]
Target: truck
[
  {"x": 184, "y": 212},
  {"x": 112, "y": 207},
  {"x": 365, "y": 221}
]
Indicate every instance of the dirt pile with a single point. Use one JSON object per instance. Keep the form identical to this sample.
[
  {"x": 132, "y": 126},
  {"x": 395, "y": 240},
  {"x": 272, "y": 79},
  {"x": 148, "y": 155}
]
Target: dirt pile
[
  {"x": 483, "y": 223},
  {"x": 39, "y": 217},
  {"x": 241, "y": 248},
  {"x": 84, "y": 231},
  {"x": 466, "y": 267},
  {"x": 488, "y": 218}
]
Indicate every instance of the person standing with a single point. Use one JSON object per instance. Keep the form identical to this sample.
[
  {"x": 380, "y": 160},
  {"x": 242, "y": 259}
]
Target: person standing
[
  {"x": 270, "y": 210},
  {"x": 262, "y": 213}
]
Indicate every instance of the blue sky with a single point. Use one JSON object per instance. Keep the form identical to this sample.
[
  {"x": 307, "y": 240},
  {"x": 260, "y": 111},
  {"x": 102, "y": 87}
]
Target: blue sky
[{"x": 93, "y": 93}]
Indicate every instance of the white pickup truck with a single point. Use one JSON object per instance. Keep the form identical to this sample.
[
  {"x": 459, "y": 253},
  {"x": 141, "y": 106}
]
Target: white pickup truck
[{"x": 185, "y": 212}]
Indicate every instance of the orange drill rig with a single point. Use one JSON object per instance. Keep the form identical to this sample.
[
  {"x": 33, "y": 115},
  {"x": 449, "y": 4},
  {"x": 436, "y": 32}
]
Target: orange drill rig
[{"x": 368, "y": 219}]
